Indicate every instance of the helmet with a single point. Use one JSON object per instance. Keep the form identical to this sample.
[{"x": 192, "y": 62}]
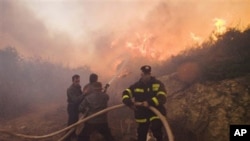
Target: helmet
[{"x": 146, "y": 69}]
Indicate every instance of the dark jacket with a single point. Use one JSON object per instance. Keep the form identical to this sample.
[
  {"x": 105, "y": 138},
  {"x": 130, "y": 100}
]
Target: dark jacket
[
  {"x": 93, "y": 103},
  {"x": 74, "y": 95},
  {"x": 153, "y": 92}
]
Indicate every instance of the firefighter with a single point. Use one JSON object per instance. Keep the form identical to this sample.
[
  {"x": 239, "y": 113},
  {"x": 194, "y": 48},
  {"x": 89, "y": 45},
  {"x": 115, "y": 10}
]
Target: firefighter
[{"x": 148, "y": 91}]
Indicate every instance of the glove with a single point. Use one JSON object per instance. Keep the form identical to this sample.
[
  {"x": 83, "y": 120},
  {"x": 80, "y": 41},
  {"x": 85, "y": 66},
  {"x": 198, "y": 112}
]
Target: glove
[{"x": 144, "y": 104}]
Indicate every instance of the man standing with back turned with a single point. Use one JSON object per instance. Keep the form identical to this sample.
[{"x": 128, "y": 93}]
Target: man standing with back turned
[
  {"x": 148, "y": 91},
  {"x": 94, "y": 102},
  {"x": 92, "y": 79}
]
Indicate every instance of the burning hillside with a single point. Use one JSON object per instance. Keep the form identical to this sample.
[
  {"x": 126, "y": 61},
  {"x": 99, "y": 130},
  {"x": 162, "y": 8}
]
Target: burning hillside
[
  {"x": 143, "y": 30},
  {"x": 190, "y": 45}
]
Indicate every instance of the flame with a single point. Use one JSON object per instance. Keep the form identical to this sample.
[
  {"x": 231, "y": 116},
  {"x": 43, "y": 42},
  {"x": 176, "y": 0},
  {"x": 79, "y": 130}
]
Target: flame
[
  {"x": 220, "y": 26},
  {"x": 143, "y": 45},
  {"x": 156, "y": 46}
]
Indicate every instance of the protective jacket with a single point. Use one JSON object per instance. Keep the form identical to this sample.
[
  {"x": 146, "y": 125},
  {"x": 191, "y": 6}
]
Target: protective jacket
[{"x": 153, "y": 92}]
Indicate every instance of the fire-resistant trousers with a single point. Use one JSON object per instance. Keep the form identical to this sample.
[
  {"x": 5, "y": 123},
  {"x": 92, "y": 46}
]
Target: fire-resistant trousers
[{"x": 155, "y": 126}]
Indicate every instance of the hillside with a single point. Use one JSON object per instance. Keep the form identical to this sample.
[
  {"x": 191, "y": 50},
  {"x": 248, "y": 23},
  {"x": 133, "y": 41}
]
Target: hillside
[
  {"x": 204, "y": 110},
  {"x": 209, "y": 89},
  {"x": 224, "y": 58}
]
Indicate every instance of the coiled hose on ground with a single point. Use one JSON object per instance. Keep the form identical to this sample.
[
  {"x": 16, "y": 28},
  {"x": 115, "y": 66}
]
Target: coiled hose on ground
[{"x": 162, "y": 118}]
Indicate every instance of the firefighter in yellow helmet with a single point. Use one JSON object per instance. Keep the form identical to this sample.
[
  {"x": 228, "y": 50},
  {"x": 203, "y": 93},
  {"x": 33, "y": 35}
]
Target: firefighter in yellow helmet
[{"x": 149, "y": 92}]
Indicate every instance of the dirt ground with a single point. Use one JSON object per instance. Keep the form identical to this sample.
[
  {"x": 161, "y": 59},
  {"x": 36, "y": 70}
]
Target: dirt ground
[
  {"x": 41, "y": 120},
  {"x": 44, "y": 119}
]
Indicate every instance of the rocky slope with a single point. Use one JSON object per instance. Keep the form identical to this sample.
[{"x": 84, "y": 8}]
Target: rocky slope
[{"x": 203, "y": 111}]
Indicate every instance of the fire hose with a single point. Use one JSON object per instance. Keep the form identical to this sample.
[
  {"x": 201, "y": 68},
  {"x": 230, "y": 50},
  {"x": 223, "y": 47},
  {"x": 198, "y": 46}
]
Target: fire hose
[{"x": 162, "y": 118}]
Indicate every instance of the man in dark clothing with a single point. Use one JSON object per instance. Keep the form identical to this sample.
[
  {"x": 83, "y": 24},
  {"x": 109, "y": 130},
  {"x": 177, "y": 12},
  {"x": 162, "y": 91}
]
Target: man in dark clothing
[
  {"x": 74, "y": 98},
  {"x": 93, "y": 103},
  {"x": 148, "y": 91}
]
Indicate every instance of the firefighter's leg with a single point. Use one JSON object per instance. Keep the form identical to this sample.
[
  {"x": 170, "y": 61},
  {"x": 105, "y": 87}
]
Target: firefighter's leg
[
  {"x": 156, "y": 128},
  {"x": 142, "y": 131}
]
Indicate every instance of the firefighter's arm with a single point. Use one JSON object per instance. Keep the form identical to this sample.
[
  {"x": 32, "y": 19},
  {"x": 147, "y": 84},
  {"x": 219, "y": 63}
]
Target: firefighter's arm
[{"x": 126, "y": 99}]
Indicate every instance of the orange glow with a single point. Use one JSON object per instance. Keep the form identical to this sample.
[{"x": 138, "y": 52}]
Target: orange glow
[
  {"x": 196, "y": 38},
  {"x": 97, "y": 33},
  {"x": 188, "y": 72}
]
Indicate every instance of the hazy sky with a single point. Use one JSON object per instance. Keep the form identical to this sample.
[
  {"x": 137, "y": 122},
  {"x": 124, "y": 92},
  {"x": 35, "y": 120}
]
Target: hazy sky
[{"x": 99, "y": 33}]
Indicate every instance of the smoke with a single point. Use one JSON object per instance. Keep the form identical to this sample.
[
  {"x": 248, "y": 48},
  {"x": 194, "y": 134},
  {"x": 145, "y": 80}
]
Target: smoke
[
  {"x": 21, "y": 29},
  {"x": 100, "y": 33}
]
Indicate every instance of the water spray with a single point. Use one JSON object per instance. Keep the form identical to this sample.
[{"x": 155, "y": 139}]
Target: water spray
[{"x": 123, "y": 64}]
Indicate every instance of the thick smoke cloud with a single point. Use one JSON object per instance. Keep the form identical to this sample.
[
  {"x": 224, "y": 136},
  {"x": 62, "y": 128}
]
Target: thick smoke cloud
[
  {"x": 21, "y": 29},
  {"x": 109, "y": 32}
]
